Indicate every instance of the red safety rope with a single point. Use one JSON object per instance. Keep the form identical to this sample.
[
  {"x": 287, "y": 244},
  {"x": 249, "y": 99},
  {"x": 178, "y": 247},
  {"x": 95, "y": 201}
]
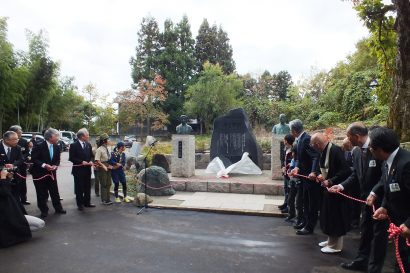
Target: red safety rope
[{"x": 394, "y": 231}]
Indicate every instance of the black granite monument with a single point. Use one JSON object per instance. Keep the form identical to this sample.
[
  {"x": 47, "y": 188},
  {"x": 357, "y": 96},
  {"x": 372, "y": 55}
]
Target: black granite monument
[{"x": 232, "y": 136}]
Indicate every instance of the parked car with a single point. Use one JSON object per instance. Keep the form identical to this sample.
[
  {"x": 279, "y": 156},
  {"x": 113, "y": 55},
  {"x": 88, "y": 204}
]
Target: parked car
[
  {"x": 69, "y": 135},
  {"x": 128, "y": 140},
  {"x": 29, "y": 135}
]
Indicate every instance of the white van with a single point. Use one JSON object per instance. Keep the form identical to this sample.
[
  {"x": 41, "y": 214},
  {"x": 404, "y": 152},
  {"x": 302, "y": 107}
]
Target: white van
[{"x": 71, "y": 136}]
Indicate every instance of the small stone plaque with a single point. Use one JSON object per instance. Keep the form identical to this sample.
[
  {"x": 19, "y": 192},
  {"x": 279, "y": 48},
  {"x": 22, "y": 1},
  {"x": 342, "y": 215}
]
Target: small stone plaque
[{"x": 179, "y": 149}]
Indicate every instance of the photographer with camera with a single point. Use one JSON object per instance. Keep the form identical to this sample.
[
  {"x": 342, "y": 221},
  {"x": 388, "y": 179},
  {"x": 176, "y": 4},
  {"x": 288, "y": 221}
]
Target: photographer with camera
[
  {"x": 11, "y": 158},
  {"x": 15, "y": 227}
]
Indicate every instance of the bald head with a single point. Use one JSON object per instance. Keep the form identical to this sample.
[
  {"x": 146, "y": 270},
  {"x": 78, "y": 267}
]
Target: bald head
[{"x": 319, "y": 141}]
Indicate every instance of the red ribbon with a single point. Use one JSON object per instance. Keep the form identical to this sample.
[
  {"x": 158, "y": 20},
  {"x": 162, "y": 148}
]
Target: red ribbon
[{"x": 394, "y": 231}]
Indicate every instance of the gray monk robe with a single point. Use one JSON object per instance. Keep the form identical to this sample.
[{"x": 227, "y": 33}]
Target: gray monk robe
[{"x": 334, "y": 215}]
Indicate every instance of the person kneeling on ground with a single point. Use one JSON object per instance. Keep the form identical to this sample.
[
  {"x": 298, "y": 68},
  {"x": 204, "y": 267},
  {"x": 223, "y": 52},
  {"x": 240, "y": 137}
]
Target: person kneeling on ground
[
  {"x": 15, "y": 227},
  {"x": 117, "y": 173}
]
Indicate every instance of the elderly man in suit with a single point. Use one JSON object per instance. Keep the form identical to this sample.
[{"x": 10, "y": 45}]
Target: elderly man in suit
[
  {"x": 81, "y": 155},
  {"x": 46, "y": 159},
  {"x": 307, "y": 164},
  {"x": 367, "y": 171},
  {"x": 384, "y": 145},
  {"x": 22, "y": 185},
  {"x": 11, "y": 157}
]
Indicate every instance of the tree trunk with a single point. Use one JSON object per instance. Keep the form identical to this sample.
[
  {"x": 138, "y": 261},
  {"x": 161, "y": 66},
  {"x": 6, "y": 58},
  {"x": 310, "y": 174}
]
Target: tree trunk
[{"x": 399, "y": 118}]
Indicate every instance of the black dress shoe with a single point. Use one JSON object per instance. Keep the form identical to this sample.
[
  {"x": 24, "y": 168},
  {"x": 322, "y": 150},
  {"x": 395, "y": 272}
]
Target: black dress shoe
[
  {"x": 304, "y": 231},
  {"x": 285, "y": 210},
  {"x": 26, "y": 202},
  {"x": 80, "y": 208},
  {"x": 43, "y": 215},
  {"x": 290, "y": 218},
  {"x": 281, "y": 207},
  {"x": 61, "y": 211},
  {"x": 91, "y": 205},
  {"x": 298, "y": 225},
  {"x": 355, "y": 265}
]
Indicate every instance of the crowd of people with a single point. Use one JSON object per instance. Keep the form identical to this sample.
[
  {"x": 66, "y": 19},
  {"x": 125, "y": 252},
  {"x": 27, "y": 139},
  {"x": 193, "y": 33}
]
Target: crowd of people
[
  {"x": 318, "y": 175},
  {"x": 369, "y": 166},
  {"x": 42, "y": 159}
]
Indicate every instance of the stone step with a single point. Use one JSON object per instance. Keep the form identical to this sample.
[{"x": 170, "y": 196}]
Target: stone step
[{"x": 245, "y": 184}]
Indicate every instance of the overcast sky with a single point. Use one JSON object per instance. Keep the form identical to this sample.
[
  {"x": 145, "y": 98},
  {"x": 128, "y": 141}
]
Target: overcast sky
[{"x": 94, "y": 39}]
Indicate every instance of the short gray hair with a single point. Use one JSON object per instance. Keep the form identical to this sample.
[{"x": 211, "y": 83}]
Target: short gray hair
[
  {"x": 296, "y": 125},
  {"x": 8, "y": 134},
  {"x": 15, "y": 128},
  {"x": 50, "y": 132},
  {"x": 82, "y": 132}
]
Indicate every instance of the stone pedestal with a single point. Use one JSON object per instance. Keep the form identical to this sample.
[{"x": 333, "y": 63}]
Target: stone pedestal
[
  {"x": 275, "y": 156},
  {"x": 183, "y": 156}
]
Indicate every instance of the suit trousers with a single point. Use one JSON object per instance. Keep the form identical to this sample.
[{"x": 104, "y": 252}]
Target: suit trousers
[
  {"x": 44, "y": 187},
  {"x": 82, "y": 189},
  {"x": 311, "y": 203},
  {"x": 373, "y": 240}
]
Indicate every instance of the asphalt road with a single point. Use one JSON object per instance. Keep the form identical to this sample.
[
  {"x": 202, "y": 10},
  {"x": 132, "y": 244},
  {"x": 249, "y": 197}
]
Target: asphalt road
[{"x": 115, "y": 239}]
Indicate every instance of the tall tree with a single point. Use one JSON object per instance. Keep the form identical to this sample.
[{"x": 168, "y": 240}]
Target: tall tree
[
  {"x": 212, "y": 45},
  {"x": 12, "y": 78},
  {"x": 213, "y": 94},
  {"x": 379, "y": 19},
  {"x": 142, "y": 105},
  {"x": 176, "y": 65},
  {"x": 145, "y": 63},
  {"x": 41, "y": 82}
]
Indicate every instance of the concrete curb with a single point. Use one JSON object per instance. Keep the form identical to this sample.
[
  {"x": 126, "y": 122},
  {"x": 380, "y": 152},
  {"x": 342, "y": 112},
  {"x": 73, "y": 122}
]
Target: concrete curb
[{"x": 221, "y": 211}]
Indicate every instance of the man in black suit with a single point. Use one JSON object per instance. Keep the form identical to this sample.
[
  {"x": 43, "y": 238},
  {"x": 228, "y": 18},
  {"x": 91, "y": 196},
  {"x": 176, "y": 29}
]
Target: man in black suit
[
  {"x": 46, "y": 159},
  {"x": 81, "y": 154},
  {"x": 384, "y": 145},
  {"x": 22, "y": 185},
  {"x": 307, "y": 165},
  {"x": 367, "y": 171},
  {"x": 11, "y": 157}
]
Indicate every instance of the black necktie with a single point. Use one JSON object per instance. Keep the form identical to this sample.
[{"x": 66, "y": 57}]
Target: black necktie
[
  {"x": 83, "y": 145},
  {"x": 8, "y": 153}
]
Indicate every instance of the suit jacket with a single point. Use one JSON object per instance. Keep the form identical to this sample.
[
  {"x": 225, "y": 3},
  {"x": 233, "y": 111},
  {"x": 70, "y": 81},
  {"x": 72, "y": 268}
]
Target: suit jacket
[
  {"x": 397, "y": 189},
  {"x": 367, "y": 175},
  {"x": 77, "y": 155},
  {"x": 16, "y": 156},
  {"x": 41, "y": 155},
  {"x": 306, "y": 157}
]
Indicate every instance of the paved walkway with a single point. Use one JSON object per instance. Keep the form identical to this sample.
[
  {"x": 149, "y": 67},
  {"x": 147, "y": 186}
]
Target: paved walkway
[{"x": 251, "y": 204}]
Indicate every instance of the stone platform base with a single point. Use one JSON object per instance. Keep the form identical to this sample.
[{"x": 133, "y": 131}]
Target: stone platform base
[{"x": 246, "y": 184}]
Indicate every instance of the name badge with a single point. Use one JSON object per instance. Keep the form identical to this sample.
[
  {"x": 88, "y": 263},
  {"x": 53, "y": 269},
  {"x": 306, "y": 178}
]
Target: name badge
[
  {"x": 372, "y": 163},
  {"x": 394, "y": 187}
]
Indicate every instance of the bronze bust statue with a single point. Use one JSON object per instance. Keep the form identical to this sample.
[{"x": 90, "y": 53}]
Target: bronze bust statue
[
  {"x": 184, "y": 128},
  {"x": 281, "y": 128}
]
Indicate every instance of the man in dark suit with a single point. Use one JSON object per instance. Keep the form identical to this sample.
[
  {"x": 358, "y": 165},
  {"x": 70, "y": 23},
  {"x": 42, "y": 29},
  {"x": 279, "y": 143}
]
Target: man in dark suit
[
  {"x": 46, "y": 159},
  {"x": 11, "y": 157},
  {"x": 384, "y": 145},
  {"x": 367, "y": 171},
  {"x": 81, "y": 154},
  {"x": 307, "y": 165},
  {"x": 22, "y": 185}
]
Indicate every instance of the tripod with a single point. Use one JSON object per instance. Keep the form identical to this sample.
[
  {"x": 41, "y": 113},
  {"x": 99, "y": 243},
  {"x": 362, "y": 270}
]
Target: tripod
[{"x": 145, "y": 178}]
